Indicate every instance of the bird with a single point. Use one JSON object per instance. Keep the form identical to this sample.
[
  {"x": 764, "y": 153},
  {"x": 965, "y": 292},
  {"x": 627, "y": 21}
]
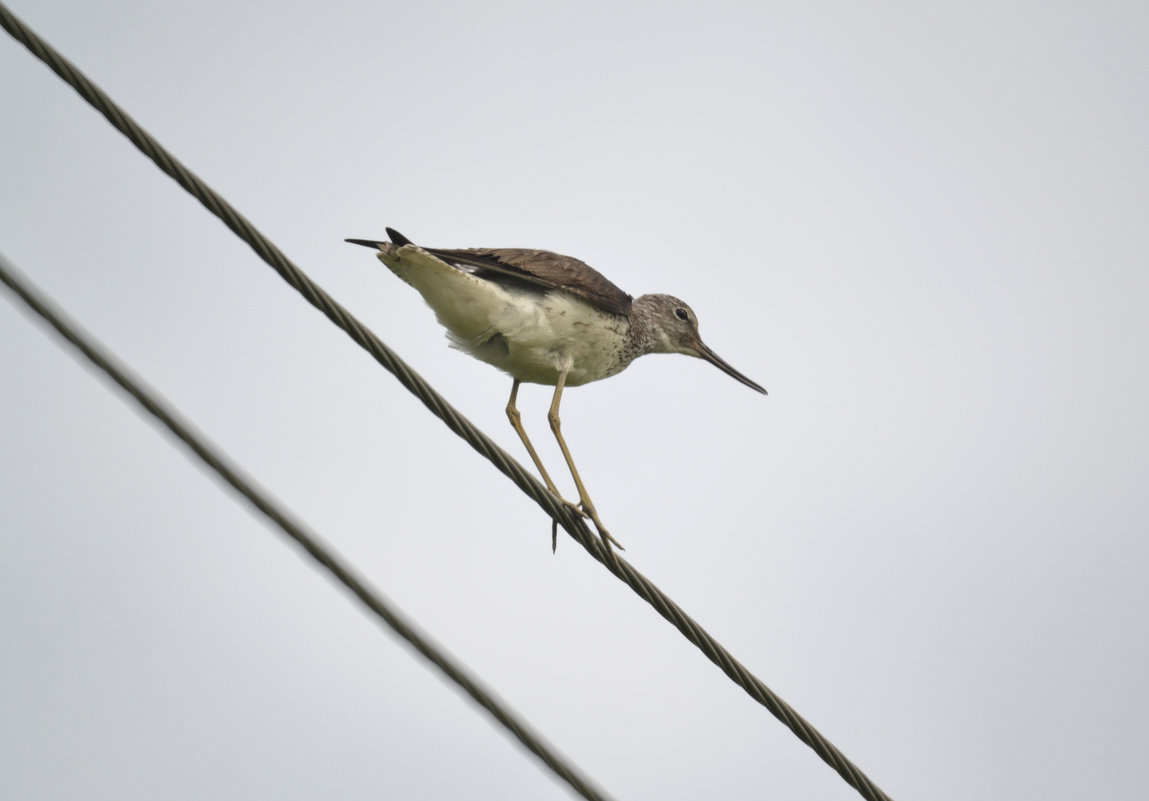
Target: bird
[{"x": 545, "y": 318}]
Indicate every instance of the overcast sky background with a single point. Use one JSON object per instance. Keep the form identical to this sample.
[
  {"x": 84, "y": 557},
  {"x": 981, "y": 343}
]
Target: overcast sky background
[{"x": 922, "y": 229}]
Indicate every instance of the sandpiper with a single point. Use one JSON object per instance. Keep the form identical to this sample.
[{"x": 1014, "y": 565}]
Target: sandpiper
[{"x": 546, "y": 319}]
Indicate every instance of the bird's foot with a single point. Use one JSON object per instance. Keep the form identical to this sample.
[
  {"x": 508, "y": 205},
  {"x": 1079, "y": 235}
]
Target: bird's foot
[
  {"x": 587, "y": 510},
  {"x": 574, "y": 507}
]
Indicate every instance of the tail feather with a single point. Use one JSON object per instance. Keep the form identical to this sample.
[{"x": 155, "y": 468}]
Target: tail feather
[
  {"x": 397, "y": 239},
  {"x": 367, "y": 243}
]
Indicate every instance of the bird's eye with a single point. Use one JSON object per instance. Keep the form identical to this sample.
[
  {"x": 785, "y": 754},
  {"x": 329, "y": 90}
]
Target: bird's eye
[{"x": 681, "y": 314}]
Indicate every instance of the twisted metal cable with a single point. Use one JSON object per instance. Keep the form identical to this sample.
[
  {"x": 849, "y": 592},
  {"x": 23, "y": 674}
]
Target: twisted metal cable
[
  {"x": 570, "y": 522},
  {"x": 296, "y": 530}
]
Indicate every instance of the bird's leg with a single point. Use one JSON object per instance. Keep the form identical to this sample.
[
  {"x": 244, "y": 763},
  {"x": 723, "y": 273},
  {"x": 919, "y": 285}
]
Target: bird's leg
[
  {"x": 517, "y": 424},
  {"x": 584, "y": 499}
]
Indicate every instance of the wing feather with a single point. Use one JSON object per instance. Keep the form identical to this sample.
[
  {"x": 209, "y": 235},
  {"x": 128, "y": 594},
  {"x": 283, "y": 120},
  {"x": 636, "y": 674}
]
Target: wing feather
[{"x": 540, "y": 268}]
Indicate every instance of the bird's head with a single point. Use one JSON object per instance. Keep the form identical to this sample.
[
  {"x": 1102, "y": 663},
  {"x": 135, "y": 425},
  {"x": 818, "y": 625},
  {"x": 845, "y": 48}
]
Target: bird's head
[{"x": 667, "y": 325}]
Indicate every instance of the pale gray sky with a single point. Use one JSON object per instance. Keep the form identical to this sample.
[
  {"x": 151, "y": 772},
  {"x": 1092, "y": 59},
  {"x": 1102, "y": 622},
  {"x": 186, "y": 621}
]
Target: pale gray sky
[{"x": 923, "y": 229}]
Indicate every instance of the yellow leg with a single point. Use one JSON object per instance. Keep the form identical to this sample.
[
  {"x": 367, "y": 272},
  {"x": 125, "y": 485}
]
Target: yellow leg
[
  {"x": 584, "y": 498},
  {"x": 517, "y": 423}
]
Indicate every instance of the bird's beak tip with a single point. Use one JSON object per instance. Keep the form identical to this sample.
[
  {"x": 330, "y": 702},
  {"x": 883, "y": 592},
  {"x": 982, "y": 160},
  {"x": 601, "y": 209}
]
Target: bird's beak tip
[{"x": 705, "y": 353}]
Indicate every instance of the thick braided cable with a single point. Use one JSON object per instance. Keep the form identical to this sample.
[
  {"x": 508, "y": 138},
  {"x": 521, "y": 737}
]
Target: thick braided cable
[{"x": 439, "y": 406}]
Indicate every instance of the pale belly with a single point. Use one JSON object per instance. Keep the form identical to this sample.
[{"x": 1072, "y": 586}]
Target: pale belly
[{"x": 535, "y": 342}]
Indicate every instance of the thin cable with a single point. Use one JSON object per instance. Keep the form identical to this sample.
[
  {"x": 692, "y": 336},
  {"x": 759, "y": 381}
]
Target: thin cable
[
  {"x": 297, "y": 531},
  {"x": 570, "y": 522}
]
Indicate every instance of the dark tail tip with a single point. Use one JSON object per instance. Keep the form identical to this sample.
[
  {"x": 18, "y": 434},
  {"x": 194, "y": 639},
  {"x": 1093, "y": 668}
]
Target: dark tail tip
[
  {"x": 397, "y": 238},
  {"x": 367, "y": 243}
]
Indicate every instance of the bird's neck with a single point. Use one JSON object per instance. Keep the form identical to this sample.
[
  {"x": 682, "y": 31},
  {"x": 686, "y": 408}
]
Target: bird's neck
[{"x": 645, "y": 336}]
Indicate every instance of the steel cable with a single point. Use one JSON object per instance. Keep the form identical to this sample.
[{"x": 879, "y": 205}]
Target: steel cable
[{"x": 439, "y": 406}]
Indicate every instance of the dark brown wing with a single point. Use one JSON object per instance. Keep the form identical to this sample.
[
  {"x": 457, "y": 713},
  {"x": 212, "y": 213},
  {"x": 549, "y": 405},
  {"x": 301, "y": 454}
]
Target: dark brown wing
[
  {"x": 535, "y": 267},
  {"x": 546, "y": 269}
]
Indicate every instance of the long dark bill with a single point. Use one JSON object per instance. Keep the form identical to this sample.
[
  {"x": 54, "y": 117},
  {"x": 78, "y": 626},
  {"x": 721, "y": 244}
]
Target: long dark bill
[{"x": 706, "y": 353}]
